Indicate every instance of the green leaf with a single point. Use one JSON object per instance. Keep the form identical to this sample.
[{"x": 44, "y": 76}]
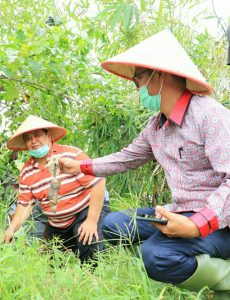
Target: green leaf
[
  {"x": 34, "y": 66},
  {"x": 136, "y": 13},
  {"x": 20, "y": 35},
  {"x": 143, "y": 4},
  {"x": 127, "y": 15},
  {"x": 12, "y": 55},
  {"x": 11, "y": 91},
  {"x": 160, "y": 13},
  {"x": 117, "y": 15}
]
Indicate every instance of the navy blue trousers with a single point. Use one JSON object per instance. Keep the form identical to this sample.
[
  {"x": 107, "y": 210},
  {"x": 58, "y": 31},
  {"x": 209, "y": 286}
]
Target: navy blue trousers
[
  {"x": 70, "y": 238},
  {"x": 170, "y": 260}
]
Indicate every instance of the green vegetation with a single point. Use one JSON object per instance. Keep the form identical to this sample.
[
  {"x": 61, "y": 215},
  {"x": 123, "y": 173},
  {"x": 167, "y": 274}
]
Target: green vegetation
[
  {"x": 29, "y": 272},
  {"x": 50, "y": 66}
]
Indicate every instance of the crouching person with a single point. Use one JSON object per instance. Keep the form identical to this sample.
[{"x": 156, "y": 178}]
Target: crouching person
[
  {"x": 188, "y": 135},
  {"x": 72, "y": 203}
]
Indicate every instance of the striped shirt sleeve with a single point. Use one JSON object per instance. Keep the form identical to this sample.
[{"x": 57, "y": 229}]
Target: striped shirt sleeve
[{"x": 25, "y": 197}]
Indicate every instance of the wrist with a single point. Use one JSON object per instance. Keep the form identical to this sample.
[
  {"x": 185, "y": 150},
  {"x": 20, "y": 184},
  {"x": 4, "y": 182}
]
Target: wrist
[
  {"x": 205, "y": 220},
  {"x": 15, "y": 225},
  {"x": 92, "y": 219},
  {"x": 10, "y": 230},
  {"x": 77, "y": 166},
  {"x": 194, "y": 230},
  {"x": 86, "y": 167}
]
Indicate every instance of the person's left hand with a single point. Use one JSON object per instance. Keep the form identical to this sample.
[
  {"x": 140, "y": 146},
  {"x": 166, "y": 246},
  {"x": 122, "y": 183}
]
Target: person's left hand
[
  {"x": 177, "y": 226},
  {"x": 87, "y": 230}
]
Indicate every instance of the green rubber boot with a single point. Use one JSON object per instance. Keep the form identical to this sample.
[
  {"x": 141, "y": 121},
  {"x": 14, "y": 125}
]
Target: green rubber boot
[{"x": 211, "y": 272}]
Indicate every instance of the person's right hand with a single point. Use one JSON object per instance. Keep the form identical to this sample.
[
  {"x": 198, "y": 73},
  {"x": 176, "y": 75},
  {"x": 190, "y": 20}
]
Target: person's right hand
[
  {"x": 8, "y": 235},
  {"x": 69, "y": 165}
]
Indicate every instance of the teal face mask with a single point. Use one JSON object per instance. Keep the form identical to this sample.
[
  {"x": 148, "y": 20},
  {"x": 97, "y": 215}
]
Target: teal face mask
[
  {"x": 40, "y": 152},
  {"x": 150, "y": 102}
]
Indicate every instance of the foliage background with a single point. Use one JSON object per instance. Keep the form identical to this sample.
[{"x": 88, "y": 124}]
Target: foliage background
[
  {"x": 50, "y": 58},
  {"x": 50, "y": 67}
]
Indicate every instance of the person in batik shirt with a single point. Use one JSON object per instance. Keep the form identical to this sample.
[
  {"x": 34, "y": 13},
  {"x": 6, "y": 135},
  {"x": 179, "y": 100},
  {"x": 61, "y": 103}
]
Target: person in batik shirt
[{"x": 189, "y": 136}]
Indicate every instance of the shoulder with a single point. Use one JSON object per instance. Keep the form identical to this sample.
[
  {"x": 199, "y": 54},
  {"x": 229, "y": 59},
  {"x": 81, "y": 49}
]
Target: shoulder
[
  {"x": 206, "y": 109},
  {"x": 26, "y": 169},
  {"x": 152, "y": 122},
  {"x": 27, "y": 165},
  {"x": 206, "y": 105},
  {"x": 65, "y": 148},
  {"x": 69, "y": 151}
]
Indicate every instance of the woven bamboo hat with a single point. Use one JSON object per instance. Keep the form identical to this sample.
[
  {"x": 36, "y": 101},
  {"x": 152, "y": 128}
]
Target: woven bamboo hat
[
  {"x": 31, "y": 123},
  {"x": 160, "y": 52}
]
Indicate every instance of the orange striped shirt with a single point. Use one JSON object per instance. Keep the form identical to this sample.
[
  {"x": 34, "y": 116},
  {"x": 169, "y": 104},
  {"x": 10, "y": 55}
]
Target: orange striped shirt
[{"x": 73, "y": 196}]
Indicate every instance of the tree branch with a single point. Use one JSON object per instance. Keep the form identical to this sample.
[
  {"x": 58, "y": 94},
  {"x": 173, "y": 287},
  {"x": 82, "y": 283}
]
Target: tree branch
[
  {"x": 218, "y": 18},
  {"x": 37, "y": 87}
]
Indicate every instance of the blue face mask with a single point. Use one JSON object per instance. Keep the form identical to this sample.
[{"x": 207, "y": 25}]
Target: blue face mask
[
  {"x": 150, "y": 102},
  {"x": 40, "y": 152}
]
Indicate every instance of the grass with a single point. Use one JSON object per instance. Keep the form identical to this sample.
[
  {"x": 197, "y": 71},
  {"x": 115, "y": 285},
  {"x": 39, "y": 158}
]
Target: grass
[{"x": 34, "y": 271}]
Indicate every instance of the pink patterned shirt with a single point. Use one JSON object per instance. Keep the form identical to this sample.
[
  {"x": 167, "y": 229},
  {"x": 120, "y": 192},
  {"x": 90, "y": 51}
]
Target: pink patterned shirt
[{"x": 193, "y": 148}]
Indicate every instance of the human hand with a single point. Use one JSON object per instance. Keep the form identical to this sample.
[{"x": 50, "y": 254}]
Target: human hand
[
  {"x": 177, "y": 226},
  {"x": 87, "y": 230},
  {"x": 8, "y": 235},
  {"x": 69, "y": 165}
]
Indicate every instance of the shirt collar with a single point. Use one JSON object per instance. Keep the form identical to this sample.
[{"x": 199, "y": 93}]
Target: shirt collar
[{"x": 178, "y": 113}]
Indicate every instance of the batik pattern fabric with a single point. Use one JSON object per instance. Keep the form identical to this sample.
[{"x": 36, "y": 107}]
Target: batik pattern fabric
[{"x": 194, "y": 152}]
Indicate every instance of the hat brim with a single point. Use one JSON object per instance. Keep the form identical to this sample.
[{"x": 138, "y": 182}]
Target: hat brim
[
  {"x": 160, "y": 52},
  {"x": 17, "y": 141},
  {"x": 194, "y": 85},
  {"x": 32, "y": 123}
]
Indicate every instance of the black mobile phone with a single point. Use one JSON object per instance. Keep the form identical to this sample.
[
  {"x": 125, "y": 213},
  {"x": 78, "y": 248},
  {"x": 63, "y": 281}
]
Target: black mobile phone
[{"x": 151, "y": 218}]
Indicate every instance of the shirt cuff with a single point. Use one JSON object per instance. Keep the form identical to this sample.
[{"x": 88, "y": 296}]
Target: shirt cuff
[
  {"x": 206, "y": 221},
  {"x": 86, "y": 167}
]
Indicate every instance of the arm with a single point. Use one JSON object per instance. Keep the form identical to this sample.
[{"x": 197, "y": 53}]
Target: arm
[
  {"x": 136, "y": 154},
  {"x": 21, "y": 215},
  {"x": 88, "y": 228},
  {"x": 23, "y": 210},
  {"x": 215, "y": 131}
]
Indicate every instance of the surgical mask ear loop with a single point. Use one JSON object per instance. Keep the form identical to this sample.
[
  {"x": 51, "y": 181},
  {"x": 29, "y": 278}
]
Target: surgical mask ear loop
[
  {"x": 161, "y": 85},
  {"x": 150, "y": 78}
]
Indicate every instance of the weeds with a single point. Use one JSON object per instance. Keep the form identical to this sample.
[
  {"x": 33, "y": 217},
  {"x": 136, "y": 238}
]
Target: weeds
[{"x": 33, "y": 271}]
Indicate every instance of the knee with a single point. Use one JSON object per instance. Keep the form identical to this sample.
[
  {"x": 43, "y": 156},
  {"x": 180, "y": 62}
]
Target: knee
[
  {"x": 149, "y": 259},
  {"x": 159, "y": 265},
  {"x": 108, "y": 226},
  {"x": 112, "y": 225}
]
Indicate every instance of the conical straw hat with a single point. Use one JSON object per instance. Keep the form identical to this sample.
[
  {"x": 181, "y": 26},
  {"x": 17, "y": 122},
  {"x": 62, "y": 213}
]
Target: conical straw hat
[
  {"x": 31, "y": 123},
  {"x": 160, "y": 52}
]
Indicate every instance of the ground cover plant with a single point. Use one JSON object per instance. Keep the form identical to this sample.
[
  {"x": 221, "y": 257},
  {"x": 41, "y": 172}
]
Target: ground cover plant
[
  {"x": 29, "y": 271},
  {"x": 50, "y": 54}
]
